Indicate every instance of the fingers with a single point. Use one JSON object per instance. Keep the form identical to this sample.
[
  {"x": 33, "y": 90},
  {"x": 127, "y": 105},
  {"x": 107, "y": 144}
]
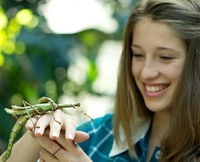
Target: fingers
[
  {"x": 55, "y": 151},
  {"x": 56, "y": 121},
  {"x": 67, "y": 144},
  {"x": 56, "y": 124},
  {"x": 70, "y": 151},
  {"x": 37, "y": 124},
  {"x": 41, "y": 124},
  {"x": 61, "y": 142},
  {"x": 81, "y": 136},
  {"x": 30, "y": 124},
  {"x": 48, "y": 144},
  {"x": 67, "y": 123},
  {"x": 69, "y": 129},
  {"x": 46, "y": 156},
  {"x": 62, "y": 149}
]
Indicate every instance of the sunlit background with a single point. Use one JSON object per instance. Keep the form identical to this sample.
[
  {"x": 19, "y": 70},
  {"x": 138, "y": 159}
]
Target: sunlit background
[
  {"x": 79, "y": 15},
  {"x": 68, "y": 17},
  {"x": 68, "y": 50}
]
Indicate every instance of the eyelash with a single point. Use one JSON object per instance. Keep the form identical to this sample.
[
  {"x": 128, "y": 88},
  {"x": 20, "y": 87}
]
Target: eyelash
[
  {"x": 166, "y": 58},
  {"x": 138, "y": 55}
]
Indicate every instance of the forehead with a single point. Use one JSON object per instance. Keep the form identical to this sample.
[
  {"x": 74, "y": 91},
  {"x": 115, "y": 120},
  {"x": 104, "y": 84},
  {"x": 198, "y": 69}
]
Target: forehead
[{"x": 156, "y": 34}]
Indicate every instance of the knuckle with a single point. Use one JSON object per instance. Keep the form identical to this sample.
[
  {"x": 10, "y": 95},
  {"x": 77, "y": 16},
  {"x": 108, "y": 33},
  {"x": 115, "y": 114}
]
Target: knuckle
[
  {"x": 59, "y": 111},
  {"x": 72, "y": 126},
  {"x": 62, "y": 154},
  {"x": 45, "y": 116},
  {"x": 56, "y": 121},
  {"x": 69, "y": 119},
  {"x": 31, "y": 120}
]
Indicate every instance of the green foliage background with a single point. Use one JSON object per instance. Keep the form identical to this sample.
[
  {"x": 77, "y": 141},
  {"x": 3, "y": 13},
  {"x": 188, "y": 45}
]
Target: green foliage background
[{"x": 34, "y": 63}]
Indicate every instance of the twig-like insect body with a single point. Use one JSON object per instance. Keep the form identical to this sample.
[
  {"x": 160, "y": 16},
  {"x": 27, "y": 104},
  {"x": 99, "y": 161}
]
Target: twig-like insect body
[
  {"x": 15, "y": 130},
  {"x": 44, "y": 107},
  {"x": 29, "y": 111}
]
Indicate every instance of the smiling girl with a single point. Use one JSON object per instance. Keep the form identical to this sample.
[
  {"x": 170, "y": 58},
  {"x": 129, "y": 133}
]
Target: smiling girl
[{"x": 157, "y": 110}]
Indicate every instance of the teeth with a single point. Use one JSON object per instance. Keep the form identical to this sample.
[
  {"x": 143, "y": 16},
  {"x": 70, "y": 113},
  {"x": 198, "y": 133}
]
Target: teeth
[{"x": 154, "y": 88}]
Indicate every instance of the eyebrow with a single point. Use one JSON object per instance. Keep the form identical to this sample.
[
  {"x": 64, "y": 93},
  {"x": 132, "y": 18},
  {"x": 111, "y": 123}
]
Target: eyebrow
[{"x": 160, "y": 48}]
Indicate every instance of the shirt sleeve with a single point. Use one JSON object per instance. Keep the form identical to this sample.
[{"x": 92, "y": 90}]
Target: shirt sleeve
[{"x": 94, "y": 130}]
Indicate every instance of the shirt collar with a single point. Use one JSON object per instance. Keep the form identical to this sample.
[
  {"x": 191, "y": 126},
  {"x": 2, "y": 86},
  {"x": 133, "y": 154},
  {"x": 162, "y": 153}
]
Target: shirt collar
[{"x": 139, "y": 133}]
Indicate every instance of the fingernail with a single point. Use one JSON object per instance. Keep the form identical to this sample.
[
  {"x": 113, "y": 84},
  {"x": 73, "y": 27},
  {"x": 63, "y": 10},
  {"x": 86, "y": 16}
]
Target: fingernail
[
  {"x": 54, "y": 135},
  {"x": 38, "y": 132},
  {"x": 70, "y": 136},
  {"x": 28, "y": 128}
]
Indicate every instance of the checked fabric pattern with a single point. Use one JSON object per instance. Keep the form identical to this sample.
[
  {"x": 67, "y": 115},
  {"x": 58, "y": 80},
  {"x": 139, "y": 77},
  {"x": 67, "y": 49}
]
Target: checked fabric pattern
[{"x": 99, "y": 145}]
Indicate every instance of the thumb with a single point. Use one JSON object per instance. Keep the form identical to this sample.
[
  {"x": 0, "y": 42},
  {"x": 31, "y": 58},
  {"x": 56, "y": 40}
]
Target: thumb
[{"x": 81, "y": 136}]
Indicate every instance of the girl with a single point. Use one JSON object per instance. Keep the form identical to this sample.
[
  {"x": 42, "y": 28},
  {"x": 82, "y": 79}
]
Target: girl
[{"x": 157, "y": 110}]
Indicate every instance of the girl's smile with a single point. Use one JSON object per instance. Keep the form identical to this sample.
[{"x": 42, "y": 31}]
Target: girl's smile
[{"x": 155, "y": 90}]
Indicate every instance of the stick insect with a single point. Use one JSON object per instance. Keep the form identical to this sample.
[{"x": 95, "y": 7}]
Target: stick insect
[{"x": 28, "y": 111}]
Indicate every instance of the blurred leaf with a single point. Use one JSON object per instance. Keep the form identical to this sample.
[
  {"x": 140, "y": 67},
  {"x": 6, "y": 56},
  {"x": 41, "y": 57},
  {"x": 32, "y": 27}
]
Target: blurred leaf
[{"x": 92, "y": 72}]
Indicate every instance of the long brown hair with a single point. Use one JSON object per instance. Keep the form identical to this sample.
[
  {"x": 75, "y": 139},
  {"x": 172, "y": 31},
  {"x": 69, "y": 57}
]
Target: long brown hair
[{"x": 182, "y": 141}]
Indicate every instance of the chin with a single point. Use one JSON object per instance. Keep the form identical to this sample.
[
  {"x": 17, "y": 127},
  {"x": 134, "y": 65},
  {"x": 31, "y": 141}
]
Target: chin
[{"x": 155, "y": 108}]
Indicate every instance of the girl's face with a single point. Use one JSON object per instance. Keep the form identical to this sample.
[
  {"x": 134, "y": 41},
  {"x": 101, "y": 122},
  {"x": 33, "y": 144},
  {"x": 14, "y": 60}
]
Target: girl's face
[{"x": 157, "y": 63}]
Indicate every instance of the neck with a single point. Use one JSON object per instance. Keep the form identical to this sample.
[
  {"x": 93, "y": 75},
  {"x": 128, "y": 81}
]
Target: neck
[{"x": 160, "y": 124}]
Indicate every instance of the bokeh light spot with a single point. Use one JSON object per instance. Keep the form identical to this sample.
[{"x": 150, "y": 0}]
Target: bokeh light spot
[
  {"x": 9, "y": 47},
  {"x": 3, "y": 37},
  {"x": 3, "y": 20},
  {"x": 60, "y": 73},
  {"x": 20, "y": 48},
  {"x": 50, "y": 87},
  {"x": 13, "y": 28},
  {"x": 24, "y": 16},
  {"x": 1, "y": 59},
  {"x": 16, "y": 99},
  {"x": 33, "y": 23}
]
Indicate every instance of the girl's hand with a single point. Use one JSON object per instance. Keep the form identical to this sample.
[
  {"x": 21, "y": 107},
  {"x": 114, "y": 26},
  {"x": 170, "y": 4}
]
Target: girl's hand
[
  {"x": 61, "y": 150},
  {"x": 56, "y": 122}
]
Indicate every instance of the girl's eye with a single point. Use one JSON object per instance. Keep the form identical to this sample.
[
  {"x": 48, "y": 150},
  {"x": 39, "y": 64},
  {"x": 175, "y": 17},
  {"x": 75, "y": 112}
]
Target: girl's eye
[
  {"x": 138, "y": 55},
  {"x": 167, "y": 58}
]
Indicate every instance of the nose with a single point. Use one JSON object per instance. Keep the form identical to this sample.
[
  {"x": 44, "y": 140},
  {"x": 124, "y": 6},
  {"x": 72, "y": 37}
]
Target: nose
[{"x": 149, "y": 70}]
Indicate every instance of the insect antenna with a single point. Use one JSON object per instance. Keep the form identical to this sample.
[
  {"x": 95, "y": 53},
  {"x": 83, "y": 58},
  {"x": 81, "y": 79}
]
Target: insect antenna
[
  {"x": 37, "y": 111},
  {"x": 81, "y": 111},
  {"x": 25, "y": 103},
  {"x": 15, "y": 116}
]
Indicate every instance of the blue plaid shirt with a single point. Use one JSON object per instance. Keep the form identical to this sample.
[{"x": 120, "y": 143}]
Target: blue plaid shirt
[{"x": 101, "y": 146}]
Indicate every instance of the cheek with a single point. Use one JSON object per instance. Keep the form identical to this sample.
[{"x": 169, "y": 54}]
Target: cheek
[
  {"x": 176, "y": 71},
  {"x": 135, "y": 69},
  {"x": 174, "y": 74}
]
